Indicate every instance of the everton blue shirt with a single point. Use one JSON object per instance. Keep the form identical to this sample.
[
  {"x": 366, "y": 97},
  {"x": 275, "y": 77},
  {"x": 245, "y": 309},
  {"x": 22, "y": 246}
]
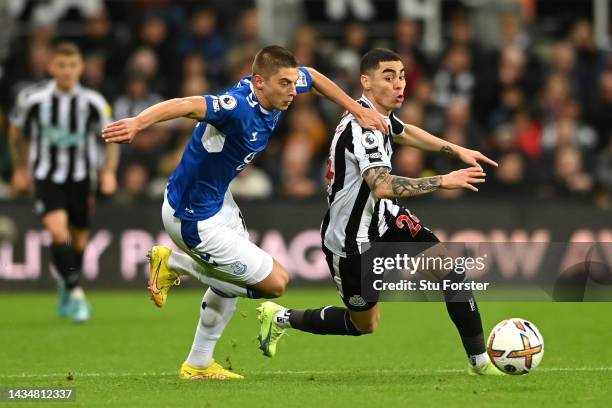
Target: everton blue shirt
[{"x": 235, "y": 129}]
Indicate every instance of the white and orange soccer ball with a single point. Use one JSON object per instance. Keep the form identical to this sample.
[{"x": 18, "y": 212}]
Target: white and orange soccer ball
[{"x": 515, "y": 346}]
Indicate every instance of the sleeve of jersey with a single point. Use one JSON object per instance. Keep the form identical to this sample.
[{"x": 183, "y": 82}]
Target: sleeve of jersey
[
  {"x": 18, "y": 114},
  {"x": 106, "y": 114},
  {"x": 104, "y": 110},
  {"x": 369, "y": 149},
  {"x": 223, "y": 108},
  {"x": 304, "y": 82},
  {"x": 397, "y": 126}
]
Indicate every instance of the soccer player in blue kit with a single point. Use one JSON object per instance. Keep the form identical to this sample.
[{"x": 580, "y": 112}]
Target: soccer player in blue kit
[{"x": 199, "y": 212}]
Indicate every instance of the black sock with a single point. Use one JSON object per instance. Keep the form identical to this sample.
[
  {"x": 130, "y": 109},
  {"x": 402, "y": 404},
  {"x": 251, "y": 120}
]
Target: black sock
[
  {"x": 78, "y": 266},
  {"x": 463, "y": 311},
  {"x": 64, "y": 259},
  {"x": 326, "y": 320},
  {"x": 78, "y": 259}
]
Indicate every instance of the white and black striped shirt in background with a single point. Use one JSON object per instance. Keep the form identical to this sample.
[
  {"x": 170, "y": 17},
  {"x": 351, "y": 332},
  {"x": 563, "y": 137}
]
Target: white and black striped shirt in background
[
  {"x": 63, "y": 129},
  {"x": 355, "y": 218}
]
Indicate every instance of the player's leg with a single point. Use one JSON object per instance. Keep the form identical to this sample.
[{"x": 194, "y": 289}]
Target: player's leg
[
  {"x": 71, "y": 297},
  {"x": 460, "y": 304},
  {"x": 56, "y": 223},
  {"x": 218, "y": 253},
  {"x": 78, "y": 203},
  {"x": 50, "y": 205},
  {"x": 215, "y": 312},
  {"x": 273, "y": 285},
  {"x": 357, "y": 318},
  {"x": 81, "y": 310}
]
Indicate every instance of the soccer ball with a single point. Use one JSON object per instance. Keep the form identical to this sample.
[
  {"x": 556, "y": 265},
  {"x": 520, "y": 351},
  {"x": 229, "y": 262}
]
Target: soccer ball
[{"x": 515, "y": 346}]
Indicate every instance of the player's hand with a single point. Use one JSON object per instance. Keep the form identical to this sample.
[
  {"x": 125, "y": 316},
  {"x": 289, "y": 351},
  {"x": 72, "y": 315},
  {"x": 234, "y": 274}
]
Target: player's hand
[
  {"x": 464, "y": 178},
  {"x": 21, "y": 181},
  {"x": 121, "y": 131},
  {"x": 473, "y": 157},
  {"x": 108, "y": 182},
  {"x": 371, "y": 119}
]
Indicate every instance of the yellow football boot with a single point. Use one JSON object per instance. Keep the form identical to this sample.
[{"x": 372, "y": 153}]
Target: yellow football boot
[
  {"x": 212, "y": 372},
  {"x": 161, "y": 277},
  {"x": 487, "y": 368},
  {"x": 269, "y": 331}
]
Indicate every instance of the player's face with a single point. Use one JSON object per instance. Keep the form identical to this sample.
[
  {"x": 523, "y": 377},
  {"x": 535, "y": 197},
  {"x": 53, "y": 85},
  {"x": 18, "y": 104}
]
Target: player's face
[
  {"x": 386, "y": 85},
  {"x": 66, "y": 70},
  {"x": 279, "y": 89}
]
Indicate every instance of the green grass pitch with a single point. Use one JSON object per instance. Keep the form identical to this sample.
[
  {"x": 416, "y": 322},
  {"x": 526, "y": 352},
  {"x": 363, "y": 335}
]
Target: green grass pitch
[{"x": 129, "y": 355}]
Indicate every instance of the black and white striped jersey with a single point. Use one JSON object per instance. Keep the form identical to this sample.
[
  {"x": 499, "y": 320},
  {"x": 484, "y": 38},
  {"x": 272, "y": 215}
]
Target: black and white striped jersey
[
  {"x": 355, "y": 218},
  {"x": 63, "y": 129}
]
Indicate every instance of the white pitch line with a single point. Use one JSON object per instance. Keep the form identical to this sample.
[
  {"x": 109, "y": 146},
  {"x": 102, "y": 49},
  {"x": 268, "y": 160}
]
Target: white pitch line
[{"x": 286, "y": 372}]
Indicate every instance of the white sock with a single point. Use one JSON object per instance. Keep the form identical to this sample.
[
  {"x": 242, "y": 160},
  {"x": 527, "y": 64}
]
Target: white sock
[
  {"x": 214, "y": 316},
  {"x": 185, "y": 265},
  {"x": 478, "y": 360},
  {"x": 281, "y": 318},
  {"x": 77, "y": 293}
]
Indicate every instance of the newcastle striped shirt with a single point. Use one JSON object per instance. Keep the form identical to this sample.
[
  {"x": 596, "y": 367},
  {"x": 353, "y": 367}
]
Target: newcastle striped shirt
[
  {"x": 63, "y": 129},
  {"x": 355, "y": 218}
]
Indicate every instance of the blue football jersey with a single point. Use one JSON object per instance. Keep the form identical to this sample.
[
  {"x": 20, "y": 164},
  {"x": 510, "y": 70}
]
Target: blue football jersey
[{"x": 234, "y": 130}]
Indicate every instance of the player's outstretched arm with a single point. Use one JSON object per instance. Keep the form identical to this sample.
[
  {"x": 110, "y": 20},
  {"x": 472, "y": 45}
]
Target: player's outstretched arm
[
  {"x": 385, "y": 185},
  {"x": 367, "y": 118},
  {"x": 421, "y": 139},
  {"x": 124, "y": 130}
]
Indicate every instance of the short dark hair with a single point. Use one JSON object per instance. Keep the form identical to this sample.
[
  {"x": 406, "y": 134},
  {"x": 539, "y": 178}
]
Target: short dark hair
[
  {"x": 374, "y": 57},
  {"x": 270, "y": 59},
  {"x": 66, "y": 48}
]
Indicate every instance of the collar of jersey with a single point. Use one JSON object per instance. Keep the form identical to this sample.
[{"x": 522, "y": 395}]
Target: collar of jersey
[
  {"x": 371, "y": 105},
  {"x": 261, "y": 108},
  {"x": 73, "y": 91}
]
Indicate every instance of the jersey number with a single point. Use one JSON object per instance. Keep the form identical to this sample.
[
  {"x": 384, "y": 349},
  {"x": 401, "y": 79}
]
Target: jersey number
[
  {"x": 409, "y": 220},
  {"x": 249, "y": 158},
  {"x": 329, "y": 176}
]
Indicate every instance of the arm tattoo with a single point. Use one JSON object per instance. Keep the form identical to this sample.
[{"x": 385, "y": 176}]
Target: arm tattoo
[
  {"x": 398, "y": 187},
  {"x": 447, "y": 150},
  {"x": 377, "y": 176},
  {"x": 407, "y": 187}
]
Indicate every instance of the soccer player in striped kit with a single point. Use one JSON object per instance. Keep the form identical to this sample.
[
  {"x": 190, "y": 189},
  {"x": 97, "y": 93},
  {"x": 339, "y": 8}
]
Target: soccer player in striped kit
[
  {"x": 56, "y": 151},
  {"x": 363, "y": 209}
]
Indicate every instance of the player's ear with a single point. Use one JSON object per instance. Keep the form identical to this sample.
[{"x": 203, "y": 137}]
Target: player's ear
[
  {"x": 365, "y": 82},
  {"x": 258, "y": 81}
]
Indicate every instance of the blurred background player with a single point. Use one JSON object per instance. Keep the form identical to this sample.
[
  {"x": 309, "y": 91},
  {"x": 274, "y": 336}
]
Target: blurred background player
[
  {"x": 56, "y": 152},
  {"x": 199, "y": 212},
  {"x": 363, "y": 209}
]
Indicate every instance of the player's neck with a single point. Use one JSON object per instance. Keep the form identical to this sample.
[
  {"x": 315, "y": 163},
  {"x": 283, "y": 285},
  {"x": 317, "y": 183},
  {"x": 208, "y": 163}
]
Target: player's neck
[
  {"x": 263, "y": 101},
  {"x": 379, "y": 108},
  {"x": 65, "y": 88}
]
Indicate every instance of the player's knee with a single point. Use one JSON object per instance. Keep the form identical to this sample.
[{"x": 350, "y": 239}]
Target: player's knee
[
  {"x": 367, "y": 326},
  {"x": 279, "y": 284},
  {"x": 277, "y": 289},
  {"x": 59, "y": 236}
]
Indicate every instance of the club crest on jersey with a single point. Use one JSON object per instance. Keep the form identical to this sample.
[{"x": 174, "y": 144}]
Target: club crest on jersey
[
  {"x": 228, "y": 102},
  {"x": 369, "y": 140},
  {"x": 238, "y": 268},
  {"x": 356, "y": 300}
]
